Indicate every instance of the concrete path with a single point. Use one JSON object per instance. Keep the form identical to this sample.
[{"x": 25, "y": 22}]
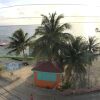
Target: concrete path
[
  {"x": 22, "y": 88},
  {"x": 19, "y": 89},
  {"x": 93, "y": 96}
]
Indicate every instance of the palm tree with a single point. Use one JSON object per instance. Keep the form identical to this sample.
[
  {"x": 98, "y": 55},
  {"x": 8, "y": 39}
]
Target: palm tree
[
  {"x": 18, "y": 42},
  {"x": 50, "y": 36},
  {"x": 93, "y": 48},
  {"x": 93, "y": 45},
  {"x": 75, "y": 57},
  {"x": 53, "y": 44}
]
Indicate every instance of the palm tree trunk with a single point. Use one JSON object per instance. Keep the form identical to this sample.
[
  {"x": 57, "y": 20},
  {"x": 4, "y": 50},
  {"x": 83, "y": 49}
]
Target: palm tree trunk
[
  {"x": 50, "y": 59},
  {"x": 89, "y": 76},
  {"x": 67, "y": 75},
  {"x": 23, "y": 53}
]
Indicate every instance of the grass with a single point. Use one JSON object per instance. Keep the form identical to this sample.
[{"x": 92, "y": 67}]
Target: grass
[{"x": 20, "y": 58}]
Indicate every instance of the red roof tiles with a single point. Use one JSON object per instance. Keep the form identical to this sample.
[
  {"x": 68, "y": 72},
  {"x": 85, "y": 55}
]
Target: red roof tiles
[{"x": 46, "y": 66}]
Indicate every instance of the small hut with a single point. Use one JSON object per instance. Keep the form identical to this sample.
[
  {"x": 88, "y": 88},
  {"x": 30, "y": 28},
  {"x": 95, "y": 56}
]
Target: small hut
[
  {"x": 47, "y": 74},
  {"x": 11, "y": 66}
]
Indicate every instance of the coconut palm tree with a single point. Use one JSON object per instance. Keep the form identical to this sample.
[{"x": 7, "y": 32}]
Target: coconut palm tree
[
  {"x": 93, "y": 51},
  {"x": 75, "y": 57},
  {"x": 93, "y": 48},
  {"x": 50, "y": 36},
  {"x": 93, "y": 45},
  {"x": 53, "y": 44},
  {"x": 18, "y": 42}
]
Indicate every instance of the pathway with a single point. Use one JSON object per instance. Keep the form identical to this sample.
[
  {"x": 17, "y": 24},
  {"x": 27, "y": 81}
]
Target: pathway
[{"x": 22, "y": 88}]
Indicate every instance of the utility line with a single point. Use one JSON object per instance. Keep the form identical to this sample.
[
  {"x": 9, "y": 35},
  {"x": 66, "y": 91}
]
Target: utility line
[
  {"x": 43, "y": 5},
  {"x": 32, "y": 17},
  {"x": 73, "y": 22},
  {"x": 41, "y": 17},
  {"x": 81, "y": 16}
]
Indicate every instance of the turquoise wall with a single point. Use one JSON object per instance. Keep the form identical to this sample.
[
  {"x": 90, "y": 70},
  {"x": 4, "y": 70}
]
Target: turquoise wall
[{"x": 47, "y": 76}]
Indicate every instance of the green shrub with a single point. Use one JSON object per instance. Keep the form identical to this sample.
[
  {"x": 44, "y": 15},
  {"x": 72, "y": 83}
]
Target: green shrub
[{"x": 66, "y": 85}]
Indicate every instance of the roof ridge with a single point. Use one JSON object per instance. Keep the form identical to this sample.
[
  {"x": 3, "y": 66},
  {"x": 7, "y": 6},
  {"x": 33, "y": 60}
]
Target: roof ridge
[{"x": 47, "y": 66}]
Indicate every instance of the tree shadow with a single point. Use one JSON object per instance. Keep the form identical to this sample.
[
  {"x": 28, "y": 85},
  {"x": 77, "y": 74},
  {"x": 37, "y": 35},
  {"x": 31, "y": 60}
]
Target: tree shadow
[{"x": 21, "y": 91}]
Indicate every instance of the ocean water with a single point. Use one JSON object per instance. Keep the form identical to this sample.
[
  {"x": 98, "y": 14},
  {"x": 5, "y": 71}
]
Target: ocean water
[{"x": 6, "y": 31}]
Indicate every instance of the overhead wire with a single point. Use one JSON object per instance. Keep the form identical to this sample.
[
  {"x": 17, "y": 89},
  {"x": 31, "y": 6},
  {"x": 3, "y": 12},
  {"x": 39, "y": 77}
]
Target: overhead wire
[
  {"x": 12, "y": 18},
  {"x": 33, "y": 17},
  {"x": 42, "y": 5},
  {"x": 41, "y": 17}
]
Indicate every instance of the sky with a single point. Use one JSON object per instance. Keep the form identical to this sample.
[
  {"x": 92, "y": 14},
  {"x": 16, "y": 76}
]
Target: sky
[
  {"x": 73, "y": 8},
  {"x": 89, "y": 10}
]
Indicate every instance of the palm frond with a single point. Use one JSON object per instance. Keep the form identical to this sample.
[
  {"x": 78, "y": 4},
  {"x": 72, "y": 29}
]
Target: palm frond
[{"x": 18, "y": 41}]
